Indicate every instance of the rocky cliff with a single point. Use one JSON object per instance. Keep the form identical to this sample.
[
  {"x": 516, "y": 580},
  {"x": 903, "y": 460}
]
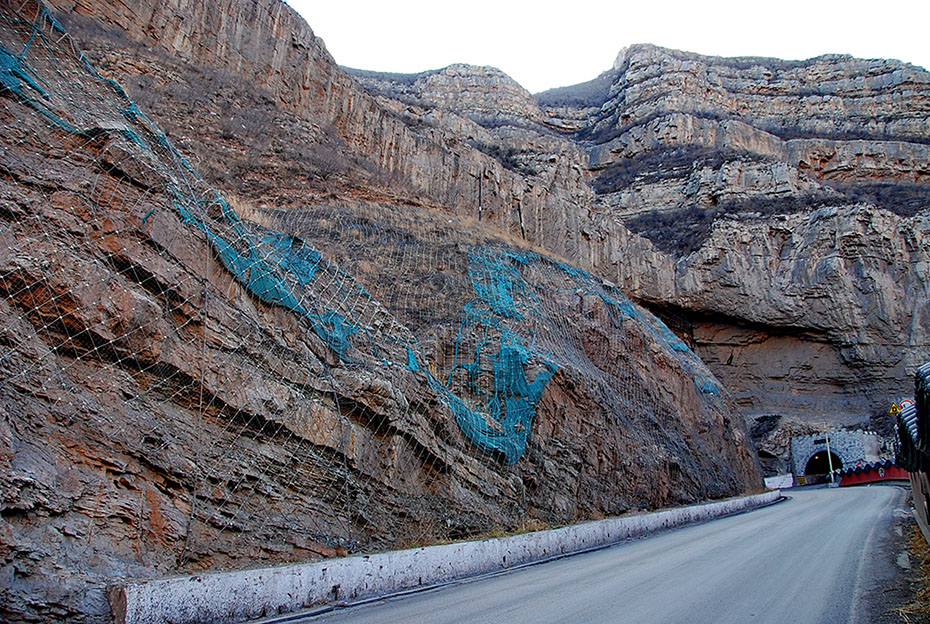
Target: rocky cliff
[
  {"x": 305, "y": 321},
  {"x": 773, "y": 212},
  {"x": 390, "y": 299},
  {"x": 786, "y": 209}
]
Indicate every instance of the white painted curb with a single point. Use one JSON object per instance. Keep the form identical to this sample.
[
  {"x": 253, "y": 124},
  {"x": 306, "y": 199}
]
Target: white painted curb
[{"x": 226, "y": 598}]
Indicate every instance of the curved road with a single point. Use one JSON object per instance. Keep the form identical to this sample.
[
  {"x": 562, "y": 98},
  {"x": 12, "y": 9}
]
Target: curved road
[{"x": 808, "y": 559}]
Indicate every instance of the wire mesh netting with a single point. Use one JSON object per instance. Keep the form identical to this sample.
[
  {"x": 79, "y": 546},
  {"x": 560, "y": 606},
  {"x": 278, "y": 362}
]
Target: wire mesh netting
[{"x": 186, "y": 388}]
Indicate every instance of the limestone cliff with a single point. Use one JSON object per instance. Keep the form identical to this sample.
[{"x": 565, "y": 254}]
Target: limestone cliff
[
  {"x": 322, "y": 346},
  {"x": 264, "y": 78},
  {"x": 375, "y": 321},
  {"x": 774, "y": 212},
  {"x": 787, "y": 208}
]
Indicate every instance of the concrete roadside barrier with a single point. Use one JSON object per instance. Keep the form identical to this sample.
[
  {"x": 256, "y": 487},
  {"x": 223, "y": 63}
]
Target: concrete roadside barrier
[
  {"x": 783, "y": 481},
  {"x": 230, "y": 597}
]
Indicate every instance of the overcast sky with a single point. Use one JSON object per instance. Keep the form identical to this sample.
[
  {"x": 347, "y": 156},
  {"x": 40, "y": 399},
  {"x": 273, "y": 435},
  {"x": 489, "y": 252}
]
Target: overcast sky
[{"x": 551, "y": 44}]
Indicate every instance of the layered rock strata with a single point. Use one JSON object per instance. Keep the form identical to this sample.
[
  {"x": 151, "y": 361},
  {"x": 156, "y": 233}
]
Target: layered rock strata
[
  {"x": 774, "y": 213},
  {"x": 786, "y": 204},
  {"x": 750, "y": 201},
  {"x": 193, "y": 383}
]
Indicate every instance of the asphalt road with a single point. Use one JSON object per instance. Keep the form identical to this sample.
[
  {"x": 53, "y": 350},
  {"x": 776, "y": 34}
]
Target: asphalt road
[{"x": 815, "y": 558}]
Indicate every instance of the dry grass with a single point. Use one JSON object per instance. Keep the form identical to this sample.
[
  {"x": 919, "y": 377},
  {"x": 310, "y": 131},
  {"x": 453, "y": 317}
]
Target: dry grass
[{"x": 918, "y": 609}]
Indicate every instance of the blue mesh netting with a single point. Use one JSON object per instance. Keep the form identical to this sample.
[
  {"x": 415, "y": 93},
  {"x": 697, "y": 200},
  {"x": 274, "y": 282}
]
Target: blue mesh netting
[
  {"x": 264, "y": 267},
  {"x": 14, "y": 77},
  {"x": 278, "y": 269},
  {"x": 504, "y": 302},
  {"x": 496, "y": 280}
]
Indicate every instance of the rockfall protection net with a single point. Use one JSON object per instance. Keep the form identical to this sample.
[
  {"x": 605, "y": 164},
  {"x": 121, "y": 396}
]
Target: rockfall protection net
[{"x": 296, "y": 381}]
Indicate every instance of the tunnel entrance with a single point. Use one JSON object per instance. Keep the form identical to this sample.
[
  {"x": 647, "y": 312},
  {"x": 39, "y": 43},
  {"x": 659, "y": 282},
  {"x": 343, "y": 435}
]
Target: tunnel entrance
[{"x": 819, "y": 464}]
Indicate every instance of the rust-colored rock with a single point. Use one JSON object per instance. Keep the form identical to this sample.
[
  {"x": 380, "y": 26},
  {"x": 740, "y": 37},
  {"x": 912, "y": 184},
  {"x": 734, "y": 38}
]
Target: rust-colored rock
[
  {"x": 187, "y": 387},
  {"x": 781, "y": 198}
]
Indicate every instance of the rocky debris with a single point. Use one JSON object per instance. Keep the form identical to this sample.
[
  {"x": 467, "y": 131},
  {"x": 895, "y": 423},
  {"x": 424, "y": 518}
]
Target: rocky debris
[{"x": 193, "y": 384}]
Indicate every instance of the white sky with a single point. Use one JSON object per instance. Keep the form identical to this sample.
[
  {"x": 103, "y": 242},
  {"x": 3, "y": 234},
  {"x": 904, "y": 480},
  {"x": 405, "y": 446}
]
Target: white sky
[{"x": 546, "y": 44}]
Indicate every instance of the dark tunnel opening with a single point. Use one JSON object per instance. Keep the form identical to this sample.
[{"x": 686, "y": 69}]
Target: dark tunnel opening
[{"x": 819, "y": 463}]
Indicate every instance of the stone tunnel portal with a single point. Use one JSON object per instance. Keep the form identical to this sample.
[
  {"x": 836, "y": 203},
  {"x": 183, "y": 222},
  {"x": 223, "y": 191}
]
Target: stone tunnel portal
[{"x": 819, "y": 463}]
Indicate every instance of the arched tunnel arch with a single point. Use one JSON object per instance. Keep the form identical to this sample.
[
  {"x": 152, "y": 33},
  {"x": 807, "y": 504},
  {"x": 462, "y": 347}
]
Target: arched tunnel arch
[{"x": 819, "y": 463}]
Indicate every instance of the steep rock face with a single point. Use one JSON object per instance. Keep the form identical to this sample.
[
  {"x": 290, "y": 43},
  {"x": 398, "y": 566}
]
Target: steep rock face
[
  {"x": 267, "y": 48},
  {"x": 492, "y": 113},
  {"x": 484, "y": 94},
  {"x": 825, "y": 96},
  {"x": 661, "y": 174},
  {"x": 187, "y": 386}
]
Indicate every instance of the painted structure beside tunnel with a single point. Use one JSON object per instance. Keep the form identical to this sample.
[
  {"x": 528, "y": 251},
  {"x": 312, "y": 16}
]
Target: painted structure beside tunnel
[{"x": 846, "y": 449}]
